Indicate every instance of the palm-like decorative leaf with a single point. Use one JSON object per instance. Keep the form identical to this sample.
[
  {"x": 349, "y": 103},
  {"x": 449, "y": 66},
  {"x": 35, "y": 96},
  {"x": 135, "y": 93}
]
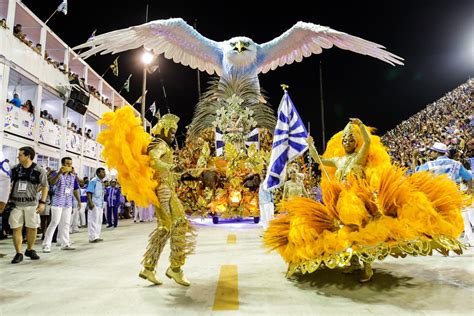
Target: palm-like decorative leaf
[{"x": 215, "y": 98}]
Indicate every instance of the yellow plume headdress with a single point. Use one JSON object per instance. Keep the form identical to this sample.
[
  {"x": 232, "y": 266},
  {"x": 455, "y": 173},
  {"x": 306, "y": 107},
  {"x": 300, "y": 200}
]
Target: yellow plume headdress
[{"x": 166, "y": 122}]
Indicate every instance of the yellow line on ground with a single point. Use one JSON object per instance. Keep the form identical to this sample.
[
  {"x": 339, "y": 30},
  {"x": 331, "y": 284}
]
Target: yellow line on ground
[
  {"x": 227, "y": 292},
  {"x": 231, "y": 238}
]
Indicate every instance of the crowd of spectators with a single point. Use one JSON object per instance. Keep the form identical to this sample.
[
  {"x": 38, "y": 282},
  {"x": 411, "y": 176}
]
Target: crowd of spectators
[
  {"x": 27, "y": 106},
  {"x": 448, "y": 120},
  {"x": 18, "y": 33}
]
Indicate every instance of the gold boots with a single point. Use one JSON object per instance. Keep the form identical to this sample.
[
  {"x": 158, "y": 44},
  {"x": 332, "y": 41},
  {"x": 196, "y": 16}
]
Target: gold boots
[
  {"x": 355, "y": 266},
  {"x": 150, "y": 276},
  {"x": 367, "y": 273},
  {"x": 178, "y": 277}
]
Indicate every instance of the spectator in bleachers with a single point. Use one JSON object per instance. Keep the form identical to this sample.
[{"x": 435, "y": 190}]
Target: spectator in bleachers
[
  {"x": 28, "y": 107},
  {"x": 447, "y": 121},
  {"x": 44, "y": 114},
  {"x": 89, "y": 133},
  {"x": 16, "y": 100},
  {"x": 18, "y": 32},
  {"x": 38, "y": 48}
]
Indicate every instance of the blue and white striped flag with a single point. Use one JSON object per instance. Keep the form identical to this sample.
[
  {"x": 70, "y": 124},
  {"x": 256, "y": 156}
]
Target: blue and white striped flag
[
  {"x": 253, "y": 138},
  {"x": 289, "y": 142},
  {"x": 219, "y": 142}
]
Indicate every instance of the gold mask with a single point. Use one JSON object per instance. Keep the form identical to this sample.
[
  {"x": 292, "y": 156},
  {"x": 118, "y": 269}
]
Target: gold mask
[{"x": 166, "y": 122}]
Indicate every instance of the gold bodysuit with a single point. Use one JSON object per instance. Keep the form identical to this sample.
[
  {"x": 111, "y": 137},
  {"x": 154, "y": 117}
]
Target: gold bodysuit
[
  {"x": 171, "y": 218},
  {"x": 353, "y": 163}
]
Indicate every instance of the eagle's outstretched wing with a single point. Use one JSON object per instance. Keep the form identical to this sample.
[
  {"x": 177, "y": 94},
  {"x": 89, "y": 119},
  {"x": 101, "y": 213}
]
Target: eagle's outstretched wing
[
  {"x": 304, "y": 39},
  {"x": 173, "y": 37}
]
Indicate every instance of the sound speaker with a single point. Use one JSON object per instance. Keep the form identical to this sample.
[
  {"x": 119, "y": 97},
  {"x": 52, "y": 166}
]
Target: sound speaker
[
  {"x": 79, "y": 96},
  {"x": 76, "y": 106}
]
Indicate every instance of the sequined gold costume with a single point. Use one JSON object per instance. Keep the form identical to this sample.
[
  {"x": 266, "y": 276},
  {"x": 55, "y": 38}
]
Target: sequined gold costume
[
  {"x": 371, "y": 209},
  {"x": 352, "y": 162},
  {"x": 144, "y": 164},
  {"x": 171, "y": 218}
]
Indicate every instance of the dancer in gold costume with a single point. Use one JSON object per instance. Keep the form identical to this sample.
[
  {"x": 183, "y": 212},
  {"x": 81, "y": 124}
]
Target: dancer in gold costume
[
  {"x": 371, "y": 209},
  {"x": 352, "y": 163},
  {"x": 171, "y": 218},
  {"x": 147, "y": 175}
]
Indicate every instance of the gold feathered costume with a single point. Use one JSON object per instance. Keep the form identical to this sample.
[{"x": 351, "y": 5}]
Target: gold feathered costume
[
  {"x": 144, "y": 166},
  {"x": 125, "y": 149},
  {"x": 385, "y": 213}
]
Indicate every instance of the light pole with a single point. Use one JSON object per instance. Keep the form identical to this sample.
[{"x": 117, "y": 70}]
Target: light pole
[{"x": 147, "y": 58}]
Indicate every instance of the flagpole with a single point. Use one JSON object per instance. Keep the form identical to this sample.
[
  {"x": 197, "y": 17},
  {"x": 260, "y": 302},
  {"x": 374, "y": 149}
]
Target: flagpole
[
  {"x": 322, "y": 104},
  {"x": 321, "y": 163},
  {"x": 56, "y": 10},
  {"x": 106, "y": 71},
  {"x": 128, "y": 80},
  {"x": 317, "y": 155},
  {"x": 90, "y": 37}
]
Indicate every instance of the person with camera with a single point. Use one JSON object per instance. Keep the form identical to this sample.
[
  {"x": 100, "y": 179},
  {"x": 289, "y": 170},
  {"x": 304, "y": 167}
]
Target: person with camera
[
  {"x": 28, "y": 178},
  {"x": 65, "y": 186}
]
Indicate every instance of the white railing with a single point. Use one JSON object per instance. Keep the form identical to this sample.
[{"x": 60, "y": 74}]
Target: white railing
[
  {"x": 19, "y": 122},
  {"x": 73, "y": 141},
  {"x": 49, "y": 133},
  {"x": 90, "y": 148}
]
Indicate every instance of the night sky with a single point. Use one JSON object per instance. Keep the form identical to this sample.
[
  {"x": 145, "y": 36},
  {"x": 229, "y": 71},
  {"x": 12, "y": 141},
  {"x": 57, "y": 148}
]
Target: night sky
[{"x": 436, "y": 39}]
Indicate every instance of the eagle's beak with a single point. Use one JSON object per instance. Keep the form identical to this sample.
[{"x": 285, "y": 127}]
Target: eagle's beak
[{"x": 239, "y": 46}]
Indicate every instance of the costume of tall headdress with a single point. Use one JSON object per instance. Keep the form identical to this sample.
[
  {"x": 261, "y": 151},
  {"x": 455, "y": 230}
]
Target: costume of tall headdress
[
  {"x": 144, "y": 172},
  {"x": 349, "y": 131},
  {"x": 166, "y": 122},
  {"x": 385, "y": 213}
]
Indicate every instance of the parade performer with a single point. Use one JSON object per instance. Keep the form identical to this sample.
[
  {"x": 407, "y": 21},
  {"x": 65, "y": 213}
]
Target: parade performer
[
  {"x": 370, "y": 210},
  {"x": 146, "y": 172},
  {"x": 294, "y": 186}
]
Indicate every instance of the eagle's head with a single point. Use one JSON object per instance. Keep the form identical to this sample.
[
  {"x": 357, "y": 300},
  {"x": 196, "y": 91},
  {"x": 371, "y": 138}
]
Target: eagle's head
[{"x": 240, "y": 51}]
